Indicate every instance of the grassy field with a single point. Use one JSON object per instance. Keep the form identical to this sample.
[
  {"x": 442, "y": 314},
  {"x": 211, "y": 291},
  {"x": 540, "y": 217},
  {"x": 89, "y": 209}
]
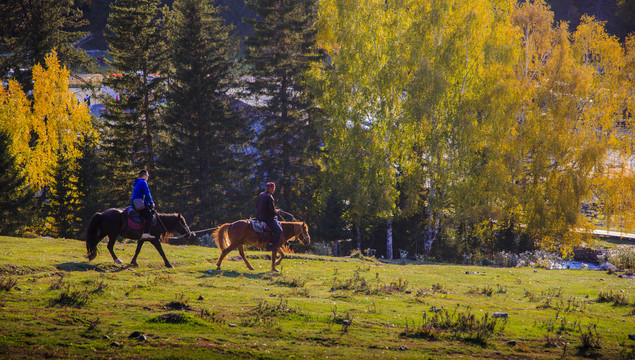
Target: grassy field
[{"x": 55, "y": 304}]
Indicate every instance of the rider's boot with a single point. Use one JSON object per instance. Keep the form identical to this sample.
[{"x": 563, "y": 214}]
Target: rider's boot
[{"x": 271, "y": 246}]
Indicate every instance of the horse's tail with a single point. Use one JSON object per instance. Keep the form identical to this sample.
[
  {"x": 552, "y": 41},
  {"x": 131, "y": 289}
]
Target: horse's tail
[
  {"x": 92, "y": 236},
  {"x": 220, "y": 236}
]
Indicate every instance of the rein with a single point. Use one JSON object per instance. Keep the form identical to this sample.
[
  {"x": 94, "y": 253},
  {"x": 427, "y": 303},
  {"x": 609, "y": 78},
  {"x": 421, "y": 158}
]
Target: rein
[
  {"x": 165, "y": 230},
  {"x": 194, "y": 232},
  {"x": 296, "y": 220}
]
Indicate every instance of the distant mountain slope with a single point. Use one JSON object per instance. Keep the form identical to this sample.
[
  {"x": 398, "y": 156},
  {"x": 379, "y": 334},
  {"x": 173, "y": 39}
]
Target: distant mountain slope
[{"x": 619, "y": 15}]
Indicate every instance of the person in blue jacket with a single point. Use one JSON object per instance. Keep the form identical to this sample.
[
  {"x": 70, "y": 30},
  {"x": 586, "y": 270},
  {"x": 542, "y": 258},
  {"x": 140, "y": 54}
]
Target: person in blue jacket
[{"x": 143, "y": 204}]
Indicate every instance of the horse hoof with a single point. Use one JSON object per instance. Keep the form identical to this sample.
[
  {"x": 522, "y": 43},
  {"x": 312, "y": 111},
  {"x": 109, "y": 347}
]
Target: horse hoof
[
  {"x": 169, "y": 266},
  {"x": 275, "y": 270},
  {"x": 134, "y": 264},
  {"x": 250, "y": 268},
  {"x": 117, "y": 261}
]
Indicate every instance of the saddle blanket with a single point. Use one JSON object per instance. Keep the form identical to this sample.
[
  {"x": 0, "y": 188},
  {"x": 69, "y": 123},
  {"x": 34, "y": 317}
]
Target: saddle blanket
[
  {"x": 261, "y": 226},
  {"x": 263, "y": 230},
  {"x": 134, "y": 221}
]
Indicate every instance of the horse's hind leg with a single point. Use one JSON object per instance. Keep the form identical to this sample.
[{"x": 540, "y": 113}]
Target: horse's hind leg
[
  {"x": 133, "y": 262},
  {"x": 241, "y": 250},
  {"x": 223, "y": 254},
  {"x": 112, "y": 238}
]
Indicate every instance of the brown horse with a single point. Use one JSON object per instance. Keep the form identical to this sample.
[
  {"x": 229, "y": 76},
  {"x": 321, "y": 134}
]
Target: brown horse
[
  {"x": 113, "y": 222},
  {"x": 235, "y": 235}
]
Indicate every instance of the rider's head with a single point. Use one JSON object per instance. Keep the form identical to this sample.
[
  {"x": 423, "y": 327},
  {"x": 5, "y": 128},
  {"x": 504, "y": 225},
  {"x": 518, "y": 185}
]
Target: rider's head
[
  {"x": 143, "y": 174},
  {"x": 271, "y": 187}
]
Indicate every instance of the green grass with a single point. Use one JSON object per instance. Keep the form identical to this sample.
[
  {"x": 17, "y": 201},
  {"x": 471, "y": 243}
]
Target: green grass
[{"x": 55, "y": 304}]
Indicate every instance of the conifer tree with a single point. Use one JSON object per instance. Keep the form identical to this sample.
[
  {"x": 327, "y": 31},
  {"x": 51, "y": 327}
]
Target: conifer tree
[
  {"x": 65, "y": 199},
  {"x": 30, "y": 29},
  {"x": 137, "y": 46},
  {"x": 14, "y": 190},
  {"x": 278, "y": 55},
  {"x": 208, "y": 139},
  {"x": 91, "y": 173}
]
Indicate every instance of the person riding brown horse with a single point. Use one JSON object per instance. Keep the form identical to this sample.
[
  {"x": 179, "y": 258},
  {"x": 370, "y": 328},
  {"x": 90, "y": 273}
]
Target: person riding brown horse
[
  {"x": 235, "y": 235},
  {"x": 266, "y": 212}
]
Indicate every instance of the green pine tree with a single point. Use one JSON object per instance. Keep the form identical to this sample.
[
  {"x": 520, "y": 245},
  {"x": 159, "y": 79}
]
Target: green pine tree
[
  {"x": 91, "y": 174},
  {"x": 30, "y": 29},
  {"x": 332, "y": 225},
  {"x": 65, "y": 199},
  {"x": 278, "y": 55},
  {"x": 137, "y": 46},
  {"x": 205, "y": 155},
  {"x": 14, "y": 191}
]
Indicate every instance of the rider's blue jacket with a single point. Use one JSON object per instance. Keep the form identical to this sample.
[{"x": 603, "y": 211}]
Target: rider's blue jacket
[{"x": 141, "y": 191}]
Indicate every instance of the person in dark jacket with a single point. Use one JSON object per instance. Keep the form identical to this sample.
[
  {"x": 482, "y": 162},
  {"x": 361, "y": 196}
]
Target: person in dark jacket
[
  {"x": 144, "y": 204},
  {"x": 266, "y": 211}
]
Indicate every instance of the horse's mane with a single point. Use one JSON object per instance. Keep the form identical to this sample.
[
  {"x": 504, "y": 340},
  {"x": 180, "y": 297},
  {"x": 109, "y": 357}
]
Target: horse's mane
[{"x": 169, "y": 216}]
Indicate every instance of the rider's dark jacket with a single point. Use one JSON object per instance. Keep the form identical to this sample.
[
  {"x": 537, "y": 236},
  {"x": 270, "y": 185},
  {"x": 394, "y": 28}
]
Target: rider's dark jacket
[{"x": 265, "y": 207}]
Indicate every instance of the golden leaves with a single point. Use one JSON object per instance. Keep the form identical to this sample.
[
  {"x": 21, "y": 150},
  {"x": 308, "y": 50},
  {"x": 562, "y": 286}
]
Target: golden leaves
[{"x": 49, "y": 124}]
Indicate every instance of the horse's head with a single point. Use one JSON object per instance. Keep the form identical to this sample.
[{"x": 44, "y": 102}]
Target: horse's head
[
  {"x": 304, "y": 234},
  {"x": 184, "y": 229}
]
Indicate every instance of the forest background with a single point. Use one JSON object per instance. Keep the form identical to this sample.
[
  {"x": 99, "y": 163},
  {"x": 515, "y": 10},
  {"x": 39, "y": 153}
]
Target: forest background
[{"x": 417, "y": 128}]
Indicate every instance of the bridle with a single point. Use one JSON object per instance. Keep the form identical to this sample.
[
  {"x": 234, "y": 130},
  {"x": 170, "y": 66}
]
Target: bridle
[
  {"x": 303, "y": 234},
  {"x": 189, "y": 233}
]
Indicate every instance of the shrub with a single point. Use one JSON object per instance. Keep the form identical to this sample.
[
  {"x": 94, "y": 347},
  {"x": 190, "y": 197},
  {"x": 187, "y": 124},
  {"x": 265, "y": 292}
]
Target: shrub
[
  {"x": 590, "y": 338},
  {"x": 538, "y": 258},
  {"x": 7, "y": 283},
  {"x": 616, "y": 298},
  {"x": 459, "y": 325},
  {"x": 72, "y": 298},
  {"x": 622, "y": 256},
  {"x": 322, "y": 248}
]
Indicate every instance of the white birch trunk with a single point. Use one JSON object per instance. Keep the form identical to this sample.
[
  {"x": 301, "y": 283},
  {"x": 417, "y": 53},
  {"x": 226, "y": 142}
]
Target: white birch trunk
[{"x": 389, "y": 241}]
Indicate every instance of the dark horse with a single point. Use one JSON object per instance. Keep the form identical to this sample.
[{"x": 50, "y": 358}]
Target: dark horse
[
  {"x": 231, "y": 236},
  {"x": 113, "y": 222}
]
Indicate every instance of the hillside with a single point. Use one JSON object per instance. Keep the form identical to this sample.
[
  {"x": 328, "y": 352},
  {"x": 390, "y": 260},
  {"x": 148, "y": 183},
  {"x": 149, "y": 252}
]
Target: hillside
[
  {"x": 55, "y": 304},
  {"x": 620, "y": 18}
]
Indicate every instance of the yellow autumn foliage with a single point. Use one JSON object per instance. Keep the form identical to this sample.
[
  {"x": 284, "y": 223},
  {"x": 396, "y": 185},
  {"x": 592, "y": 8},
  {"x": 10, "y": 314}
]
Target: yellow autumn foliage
[{"x": 50, "y": 123}]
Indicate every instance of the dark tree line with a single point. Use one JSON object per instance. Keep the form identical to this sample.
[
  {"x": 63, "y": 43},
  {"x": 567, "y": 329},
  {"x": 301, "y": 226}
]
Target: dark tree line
[
  {"x": 211, "y": 121},
  {"x": 211, "y": 126}
]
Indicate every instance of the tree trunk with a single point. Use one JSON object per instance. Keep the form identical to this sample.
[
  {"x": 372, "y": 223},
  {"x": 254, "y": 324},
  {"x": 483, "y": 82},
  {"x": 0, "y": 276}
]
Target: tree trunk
[{"x": 389, "y": 241}]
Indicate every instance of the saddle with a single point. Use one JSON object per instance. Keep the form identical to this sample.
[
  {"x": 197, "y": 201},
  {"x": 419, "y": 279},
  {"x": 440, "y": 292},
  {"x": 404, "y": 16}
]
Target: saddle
[
  {"x": 260, "y": 226},
  {"x": 134, "y": 220},
  {"x": 263, "y": 230}
]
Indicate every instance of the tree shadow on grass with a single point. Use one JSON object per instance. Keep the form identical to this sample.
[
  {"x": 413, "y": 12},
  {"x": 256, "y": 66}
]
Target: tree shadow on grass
[
  {"x": 82, "y": 266},
  {"x": 230, "y": 274}
]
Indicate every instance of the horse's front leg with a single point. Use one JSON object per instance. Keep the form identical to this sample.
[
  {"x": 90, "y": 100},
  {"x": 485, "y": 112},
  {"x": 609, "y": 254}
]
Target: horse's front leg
[
  {"x": 281, "y": 256},
  {"x": 133, "y": 262},
  {"x": 157, "y": 245},
  {"x": 241, "y": 250},
  {"x": 111, "y": 247}
]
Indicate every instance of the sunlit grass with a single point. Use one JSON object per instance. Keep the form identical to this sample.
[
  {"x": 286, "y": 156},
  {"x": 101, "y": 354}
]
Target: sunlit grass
[{"x": 317, "y": 307}]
